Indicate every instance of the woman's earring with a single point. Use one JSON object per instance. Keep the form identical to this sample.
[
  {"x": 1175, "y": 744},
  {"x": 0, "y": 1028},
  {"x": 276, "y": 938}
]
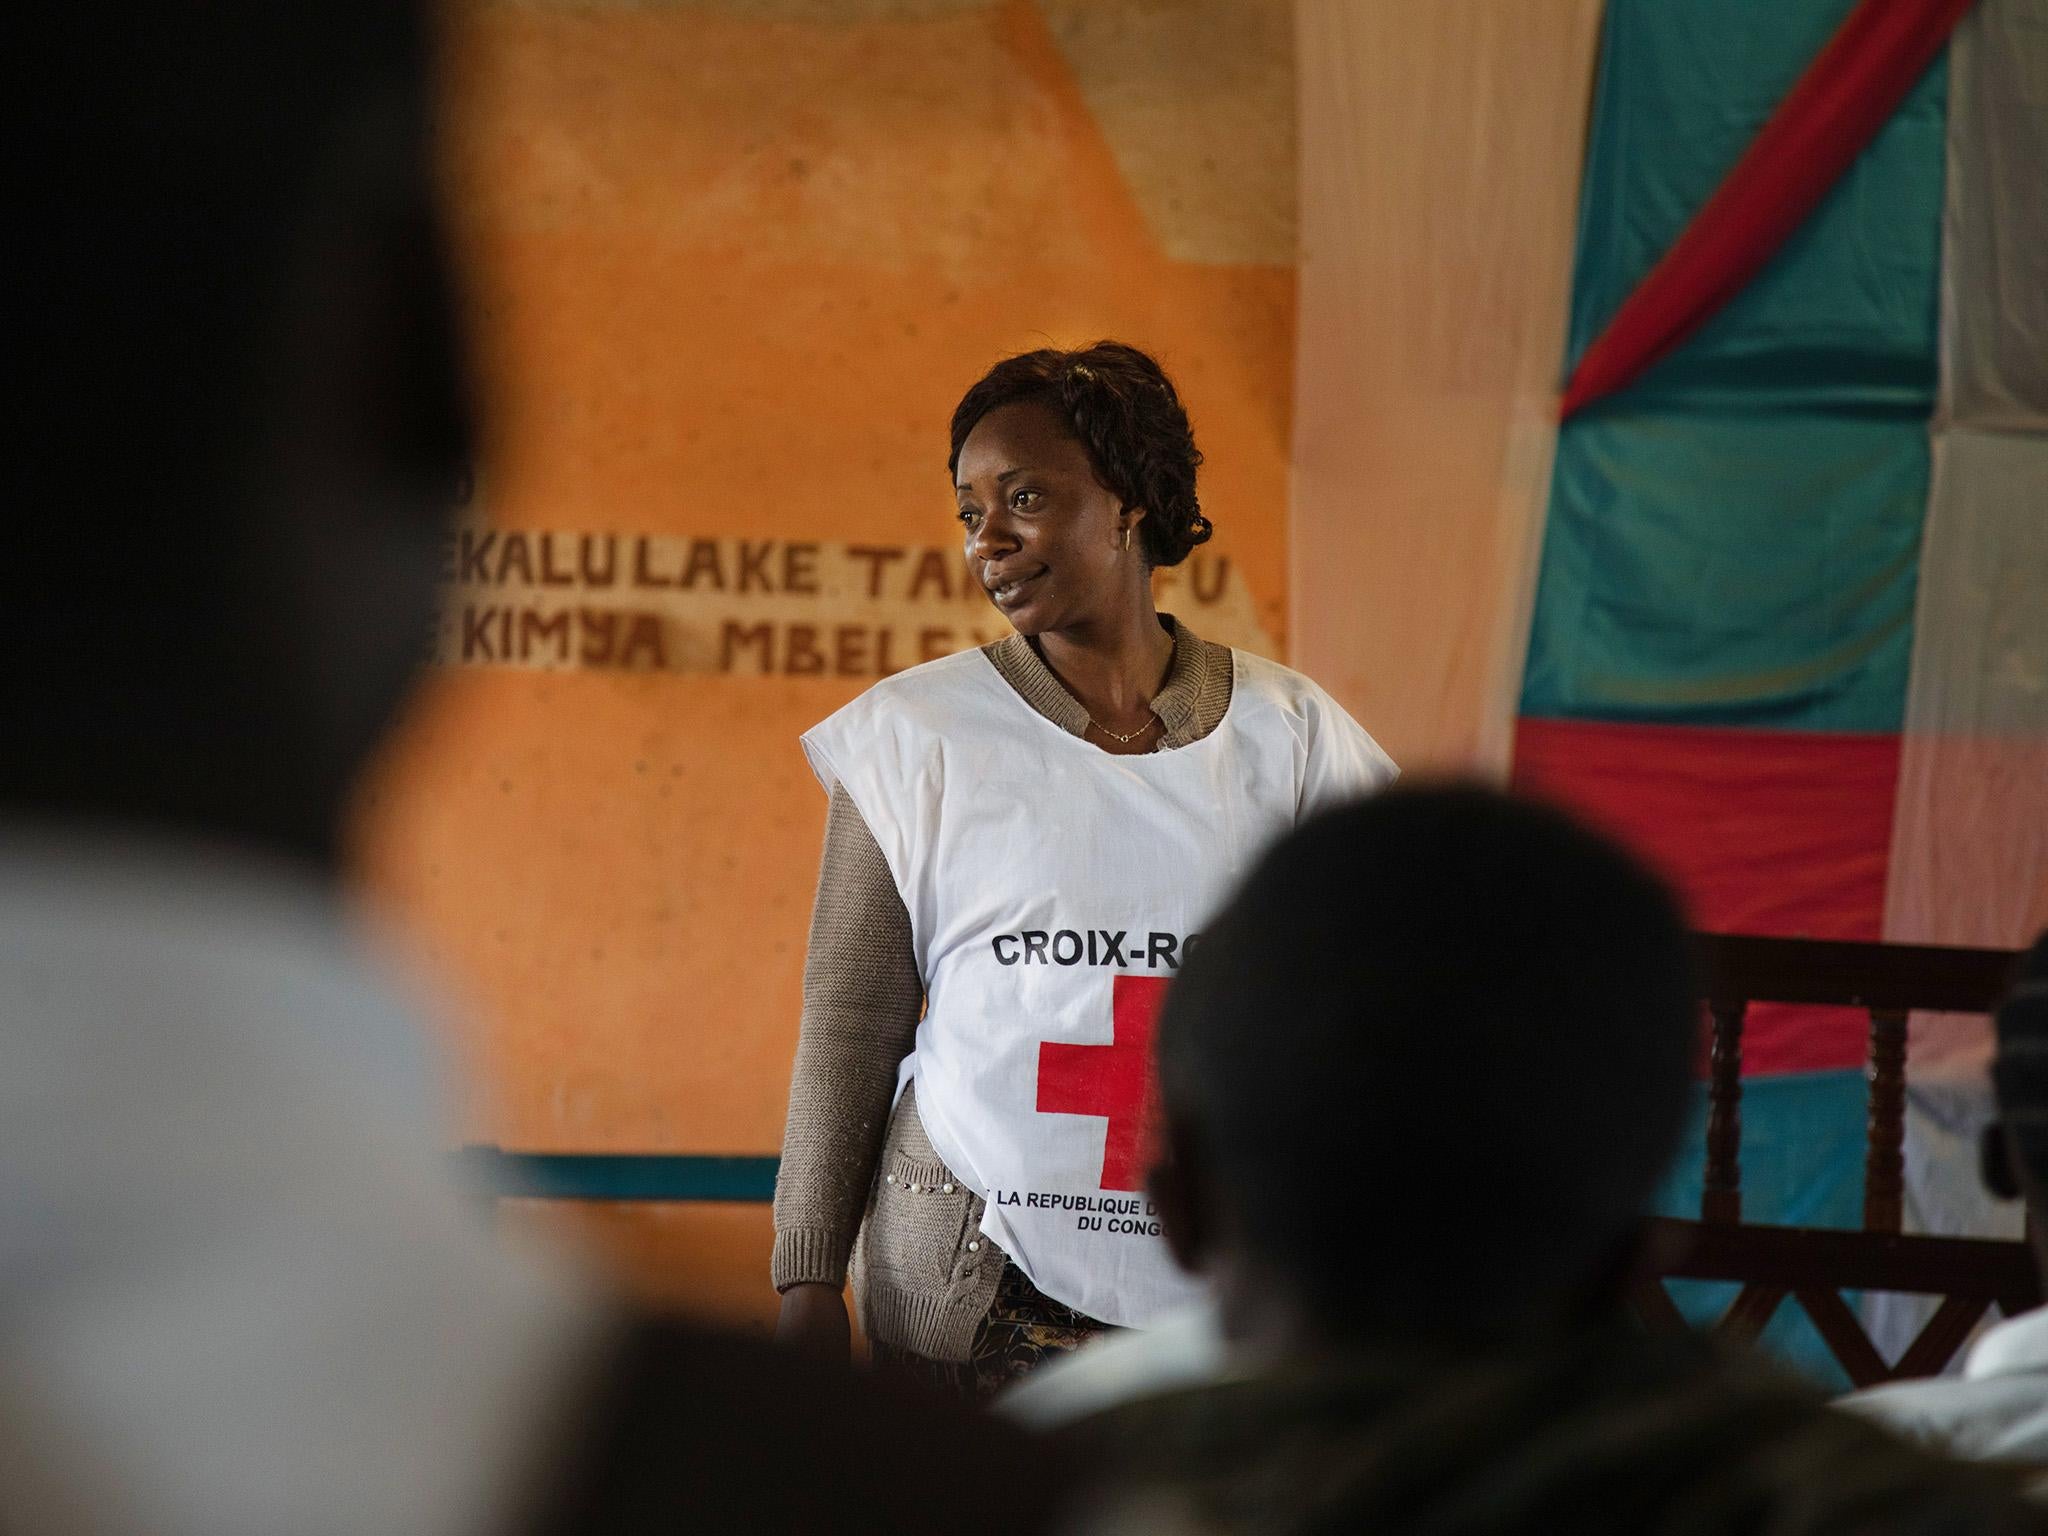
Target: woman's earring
[{"x": 1127, "y": 537}]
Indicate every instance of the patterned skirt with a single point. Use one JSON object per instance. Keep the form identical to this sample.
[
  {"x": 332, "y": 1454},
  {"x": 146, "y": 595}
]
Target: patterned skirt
[{"x": 1024, "y": 1328}]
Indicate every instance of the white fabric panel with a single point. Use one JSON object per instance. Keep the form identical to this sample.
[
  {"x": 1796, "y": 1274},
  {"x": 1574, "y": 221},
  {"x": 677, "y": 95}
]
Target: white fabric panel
[
  {"x": 1995, "y": 226},
  {"x": 1969, "y": 852},
  {"x": 1441, "y": 144},
  {"x": 1970, "y": 843},
  {"x": 1969, "y": 859}
]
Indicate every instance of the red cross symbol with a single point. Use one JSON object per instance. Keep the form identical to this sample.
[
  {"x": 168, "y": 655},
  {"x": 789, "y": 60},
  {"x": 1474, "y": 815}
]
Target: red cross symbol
[{"x": 1115, "y": 1080}]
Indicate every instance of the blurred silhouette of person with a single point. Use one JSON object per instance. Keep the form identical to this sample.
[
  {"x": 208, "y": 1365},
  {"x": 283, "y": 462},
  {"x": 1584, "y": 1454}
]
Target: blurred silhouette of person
[
  {"x": 240, "y": 1289},
  {"x": 1998, "y": 1408},
  {"x": 1418, "y": 1083}
]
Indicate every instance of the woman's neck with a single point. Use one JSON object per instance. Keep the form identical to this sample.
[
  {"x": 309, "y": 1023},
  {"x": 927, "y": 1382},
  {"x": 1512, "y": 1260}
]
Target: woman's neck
[{"x": 1115, "y": 670}]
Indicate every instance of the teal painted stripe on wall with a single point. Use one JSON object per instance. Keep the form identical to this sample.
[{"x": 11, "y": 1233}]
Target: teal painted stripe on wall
[{"x": 621, "y": 1176}]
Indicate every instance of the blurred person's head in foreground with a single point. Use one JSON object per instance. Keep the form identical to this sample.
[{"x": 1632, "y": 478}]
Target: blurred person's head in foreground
[
  {"x": 241, "y": 421},
  {"x": 1419, "y": 1080},
  {"x": 2016, "y": 1142},
  {"x": 1423, "y": 1072}
]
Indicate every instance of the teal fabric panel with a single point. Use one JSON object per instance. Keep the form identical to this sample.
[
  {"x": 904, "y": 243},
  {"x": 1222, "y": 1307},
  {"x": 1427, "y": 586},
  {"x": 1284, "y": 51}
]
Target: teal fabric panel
[
  {"x": 1844, "y": 316},
  {"x": 1733, "y": 539},
  {"x": 1715, "y": 569},
  {"x": 1802, "y": 1166}
]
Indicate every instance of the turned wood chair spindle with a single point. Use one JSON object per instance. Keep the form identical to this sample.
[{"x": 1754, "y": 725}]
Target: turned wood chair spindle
[
  {"x": 1814, "y": 1266},
  {"x": 1721, "y": 1191},
  {"x": 1884, "y": 1168}
]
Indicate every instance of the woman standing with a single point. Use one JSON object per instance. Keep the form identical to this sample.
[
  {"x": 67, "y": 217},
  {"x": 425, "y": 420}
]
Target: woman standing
[{"x": 1022, "y": 841}]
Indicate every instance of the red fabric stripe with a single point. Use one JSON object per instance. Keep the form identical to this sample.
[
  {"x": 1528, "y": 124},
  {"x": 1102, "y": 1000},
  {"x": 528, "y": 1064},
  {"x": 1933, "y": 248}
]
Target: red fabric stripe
[
  {"x": 1853, "y": 85},
  {"x": 1774, "y": 832}
]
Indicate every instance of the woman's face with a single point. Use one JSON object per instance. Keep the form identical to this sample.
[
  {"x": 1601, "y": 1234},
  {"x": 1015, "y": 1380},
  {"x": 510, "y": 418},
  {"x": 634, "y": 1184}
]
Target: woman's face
[{"x": 1043, "y": 535}]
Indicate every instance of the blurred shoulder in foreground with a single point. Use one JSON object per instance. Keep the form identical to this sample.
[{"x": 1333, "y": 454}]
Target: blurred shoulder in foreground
[{"x": 1602, "y": 1431}]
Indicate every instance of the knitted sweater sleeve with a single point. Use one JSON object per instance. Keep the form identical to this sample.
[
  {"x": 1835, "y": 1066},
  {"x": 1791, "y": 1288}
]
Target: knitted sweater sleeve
[{"x": 862, "y": 999}]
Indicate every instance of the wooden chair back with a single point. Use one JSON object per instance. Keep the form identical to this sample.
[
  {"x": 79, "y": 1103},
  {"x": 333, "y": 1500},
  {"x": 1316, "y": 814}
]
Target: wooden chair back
[{"x": 1814, "y": 1266}]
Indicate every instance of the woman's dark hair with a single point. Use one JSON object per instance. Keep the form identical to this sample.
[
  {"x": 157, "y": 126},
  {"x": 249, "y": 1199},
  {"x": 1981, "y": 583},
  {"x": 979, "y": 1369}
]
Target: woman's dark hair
[{"x": 1122, "y": 408}]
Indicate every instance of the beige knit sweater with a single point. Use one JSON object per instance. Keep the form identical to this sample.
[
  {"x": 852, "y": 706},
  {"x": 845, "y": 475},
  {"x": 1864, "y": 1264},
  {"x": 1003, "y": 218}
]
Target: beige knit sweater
[{"x": 924, "y": 1275}]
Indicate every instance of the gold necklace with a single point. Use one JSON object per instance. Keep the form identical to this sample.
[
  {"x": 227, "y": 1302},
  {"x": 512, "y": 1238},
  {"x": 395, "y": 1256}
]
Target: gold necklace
[{"x": 1120, "y": 740}]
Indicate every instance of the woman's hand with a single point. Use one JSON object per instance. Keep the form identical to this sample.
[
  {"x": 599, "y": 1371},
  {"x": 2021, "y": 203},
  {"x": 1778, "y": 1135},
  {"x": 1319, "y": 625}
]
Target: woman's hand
[{"x": 813, "y": 1320}]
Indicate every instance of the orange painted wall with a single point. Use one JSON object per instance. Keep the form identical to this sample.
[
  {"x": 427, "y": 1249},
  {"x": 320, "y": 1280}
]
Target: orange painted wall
[{"x": 731, "y": 266}]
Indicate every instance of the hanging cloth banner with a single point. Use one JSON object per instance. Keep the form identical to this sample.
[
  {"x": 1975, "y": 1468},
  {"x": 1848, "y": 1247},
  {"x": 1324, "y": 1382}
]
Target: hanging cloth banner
[{"x": 1848, "y": 92}]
